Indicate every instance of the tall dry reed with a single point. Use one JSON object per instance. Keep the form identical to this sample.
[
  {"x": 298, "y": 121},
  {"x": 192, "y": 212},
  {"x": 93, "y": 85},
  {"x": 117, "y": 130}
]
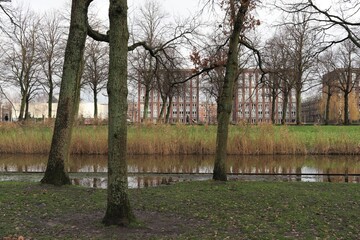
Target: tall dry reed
[{"x": 190, "y": 139}]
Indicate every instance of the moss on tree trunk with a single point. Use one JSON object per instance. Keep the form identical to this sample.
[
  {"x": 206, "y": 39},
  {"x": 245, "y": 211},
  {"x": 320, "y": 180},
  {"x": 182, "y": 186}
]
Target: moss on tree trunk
[
  {"x": 226, "y": 97},
  {"x": 70, "y": 89},
  {"x": 118, "y": 210}
]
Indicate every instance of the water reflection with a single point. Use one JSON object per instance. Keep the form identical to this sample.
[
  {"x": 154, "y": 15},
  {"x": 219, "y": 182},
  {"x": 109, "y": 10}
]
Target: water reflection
[{"x": 155, "y": 170}]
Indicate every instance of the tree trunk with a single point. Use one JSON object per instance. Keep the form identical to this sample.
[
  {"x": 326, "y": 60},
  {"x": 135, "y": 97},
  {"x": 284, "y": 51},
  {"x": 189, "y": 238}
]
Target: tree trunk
[
  {"x": 27, "y": 113},
  {"x": 168, "y": 110},
  {"x": 51, "y": 94},
  {"x": 118, "y": 210},
  {"x": 273, "y": 106},
  {"x": 284, "y": 107},
  {"x": 298, "y": 106},
  {"x": 95, "y": 104},
  {"x": 69, "y": 91},
  {"x": 327, "y": 108},
  {"x": 146, "y": 102},
  {"x": 22, "y": 108},
  {"x": 346, "y": 108},
  {"x": 160, "y": 118},
  {"x": 51, "y": 90},
  {"x": 226, "y": 97}
]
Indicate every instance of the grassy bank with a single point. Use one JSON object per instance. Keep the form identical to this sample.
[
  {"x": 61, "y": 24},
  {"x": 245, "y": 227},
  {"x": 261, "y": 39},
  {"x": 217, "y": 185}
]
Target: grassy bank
[
  {"x": 192, "y": 210},
  {"x": 182, "y": 139}
]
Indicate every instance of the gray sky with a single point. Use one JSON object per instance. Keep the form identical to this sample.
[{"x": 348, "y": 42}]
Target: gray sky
[{"x": 176, "y": 7}]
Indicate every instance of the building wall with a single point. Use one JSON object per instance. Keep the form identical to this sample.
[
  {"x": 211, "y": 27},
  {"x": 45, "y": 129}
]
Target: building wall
[
  {"x": 310, "y": 111},
  {"x": 185, "y": 102},
  {"x": 40, "y": 110},
  {"x": 252, "y": 101},
  {"x": 336, "y": 114},
  {"x": 208, "y": 113}
]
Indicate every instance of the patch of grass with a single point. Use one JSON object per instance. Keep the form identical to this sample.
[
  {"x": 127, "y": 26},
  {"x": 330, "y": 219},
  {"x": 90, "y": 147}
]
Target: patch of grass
[
  {"x": 191, "y": 210},
  {"x": 245, "y": 210}
]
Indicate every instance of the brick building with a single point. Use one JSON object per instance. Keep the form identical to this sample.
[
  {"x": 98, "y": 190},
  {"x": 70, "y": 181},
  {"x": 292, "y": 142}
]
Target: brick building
[
  {"x": 185, "y": 101},
  {"x": 336, "y": 83},
  {"x": 252, "y": 101},
  {"x": 311, "y": 110}
]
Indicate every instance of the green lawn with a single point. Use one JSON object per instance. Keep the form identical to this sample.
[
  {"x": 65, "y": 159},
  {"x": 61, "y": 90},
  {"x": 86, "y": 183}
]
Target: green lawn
[{"x": 190, "y": 210}]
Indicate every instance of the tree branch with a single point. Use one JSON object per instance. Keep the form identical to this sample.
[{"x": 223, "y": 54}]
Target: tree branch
[
  {"x": 257, "y": 53},
  {"x": 97, "y": 35}
]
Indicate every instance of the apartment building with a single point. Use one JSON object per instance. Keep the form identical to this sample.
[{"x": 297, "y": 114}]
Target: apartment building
[
  {"x": 252, "y": 101},
  {"x": 311, "y": 110},
  {"x": 337, "y": 83},
  {"x": 185, "y": 100}
]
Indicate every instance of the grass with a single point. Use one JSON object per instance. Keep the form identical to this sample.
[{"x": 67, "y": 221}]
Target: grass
[
  {"x": 183, "y": 139},
  {"x": 190, "y": 210}
]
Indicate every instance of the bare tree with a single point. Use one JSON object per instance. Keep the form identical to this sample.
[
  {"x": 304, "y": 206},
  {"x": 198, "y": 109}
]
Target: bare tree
[
  {"x": 9, "y": 14},
  {"x": 96, "y": 69},
  {"x": 345, "y": 74},
  {"x": 51, "y": 45},
  {"x": 326, "y": 61},
  {"x": 150, "y": 27},
  {"x": 168, "y": 75},
  {"x": 22, "y": 59},
  {"x": 340, "y": 18},
  {"x": 161, "y": 41},
  {"x": 280, "y": 79},
  {"x": 302, "y": 41},
  {"x": 144, "y": 66}
]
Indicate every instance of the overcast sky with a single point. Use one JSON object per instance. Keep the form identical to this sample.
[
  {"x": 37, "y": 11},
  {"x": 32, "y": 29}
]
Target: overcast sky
[{"x": 177, "y": 7}]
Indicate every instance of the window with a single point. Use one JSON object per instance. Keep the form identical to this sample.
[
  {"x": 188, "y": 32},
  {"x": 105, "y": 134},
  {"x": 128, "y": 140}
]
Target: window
[
  {"x": 246, "y": 93},
  {"x": 247, "y": 80}
]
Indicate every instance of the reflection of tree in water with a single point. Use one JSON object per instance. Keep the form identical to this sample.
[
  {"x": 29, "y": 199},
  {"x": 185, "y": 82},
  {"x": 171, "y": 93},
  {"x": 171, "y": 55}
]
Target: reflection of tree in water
[
  {"x": 277, "y": 164},
  {"x": 151, "y": 181},
  {"x": 90, "y": 182},
  {"x": 170, "y": 164},
  {"x": 22, "y": 163}
]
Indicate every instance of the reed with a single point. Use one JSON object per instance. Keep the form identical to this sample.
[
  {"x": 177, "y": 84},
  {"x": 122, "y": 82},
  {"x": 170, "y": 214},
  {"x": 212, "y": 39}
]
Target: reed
[
  {"x": 190, "y": 139},
  {"x": 89, "y": 140}
]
